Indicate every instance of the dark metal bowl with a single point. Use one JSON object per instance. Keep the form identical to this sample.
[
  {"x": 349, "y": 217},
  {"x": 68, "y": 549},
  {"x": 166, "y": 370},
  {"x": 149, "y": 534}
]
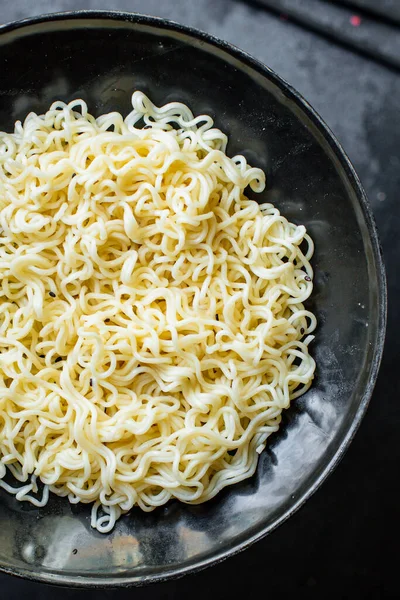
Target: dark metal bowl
[{"x": 101, "y": 57}]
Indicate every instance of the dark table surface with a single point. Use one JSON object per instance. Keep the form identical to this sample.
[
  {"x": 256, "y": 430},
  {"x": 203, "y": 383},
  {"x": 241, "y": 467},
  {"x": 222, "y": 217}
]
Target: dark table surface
[{"x": 343, "y": 542}]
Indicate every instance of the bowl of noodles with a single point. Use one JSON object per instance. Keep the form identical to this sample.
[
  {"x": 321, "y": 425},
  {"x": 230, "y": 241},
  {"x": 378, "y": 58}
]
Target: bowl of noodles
[{"x": 193, "y": 300}]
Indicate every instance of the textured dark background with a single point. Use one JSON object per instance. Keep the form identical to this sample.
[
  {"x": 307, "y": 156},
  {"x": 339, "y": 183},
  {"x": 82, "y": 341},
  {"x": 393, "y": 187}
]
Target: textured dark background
[{"x": 343, "y": 542}]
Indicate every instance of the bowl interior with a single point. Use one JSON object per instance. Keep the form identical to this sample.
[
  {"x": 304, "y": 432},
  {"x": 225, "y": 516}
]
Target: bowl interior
[{"x": 102, "y": 59}]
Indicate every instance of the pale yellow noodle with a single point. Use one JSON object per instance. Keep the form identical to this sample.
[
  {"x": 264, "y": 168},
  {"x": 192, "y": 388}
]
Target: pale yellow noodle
[{"x": 152, "y": 326}]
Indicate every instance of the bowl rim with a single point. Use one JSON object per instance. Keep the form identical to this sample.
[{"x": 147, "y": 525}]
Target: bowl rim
[{"x": 124, "y": 580}]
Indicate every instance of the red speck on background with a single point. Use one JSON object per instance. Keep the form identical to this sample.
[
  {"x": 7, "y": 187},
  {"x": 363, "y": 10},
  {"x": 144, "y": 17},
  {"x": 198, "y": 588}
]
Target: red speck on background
[
  {"x": 283, "y": 17},
  {"x": 355, "y": 20}
]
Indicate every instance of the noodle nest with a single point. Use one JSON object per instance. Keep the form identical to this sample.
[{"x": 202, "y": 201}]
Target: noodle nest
[{"x": 152, "y": 320}]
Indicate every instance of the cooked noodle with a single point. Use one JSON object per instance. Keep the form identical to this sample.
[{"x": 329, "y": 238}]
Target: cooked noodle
[{"x": 152, "y": 326}]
